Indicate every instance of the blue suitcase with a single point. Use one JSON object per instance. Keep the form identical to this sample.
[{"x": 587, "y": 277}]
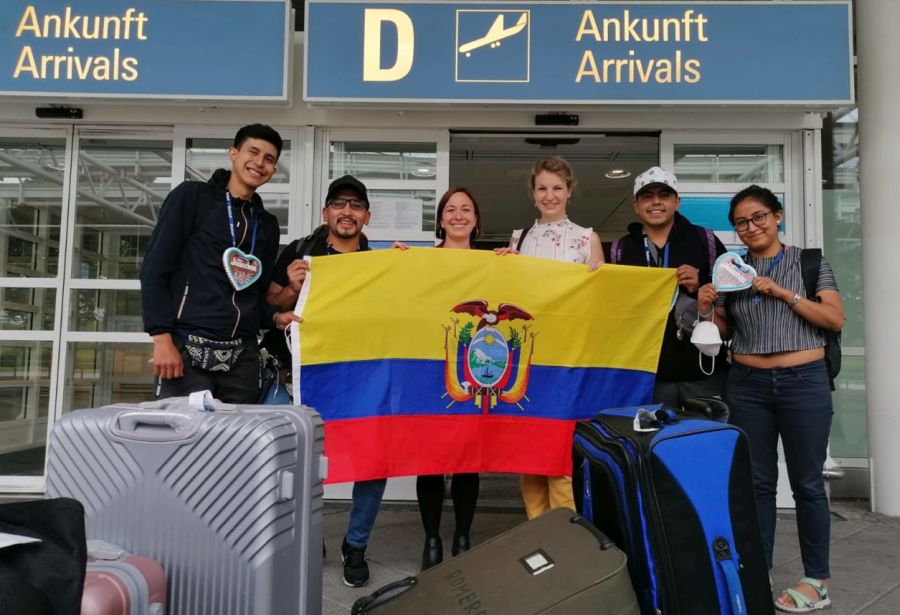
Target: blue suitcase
[{"x": 675, "y": 492}]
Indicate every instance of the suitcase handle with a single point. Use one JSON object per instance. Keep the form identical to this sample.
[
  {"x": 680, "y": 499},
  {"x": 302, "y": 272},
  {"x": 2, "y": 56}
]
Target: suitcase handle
[
  {"x": 603, "y": 539},
  {"x": 155, "y": 426},
  {"x": 385, "y": 594},
  {"x": 710, "y": 407},
  {"x": 201, "y": 401}
]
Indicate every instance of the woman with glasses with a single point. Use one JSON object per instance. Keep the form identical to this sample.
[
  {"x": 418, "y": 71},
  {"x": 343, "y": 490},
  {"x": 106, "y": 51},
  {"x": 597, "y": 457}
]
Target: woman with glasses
[
  {"x": 556, "y": 237},
  {"x": 778, "y": 384},
  {"x": 458, "y": 224}
]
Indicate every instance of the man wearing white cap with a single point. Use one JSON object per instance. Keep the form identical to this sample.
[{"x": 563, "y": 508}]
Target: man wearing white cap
[{"x": 665, "y": 238}]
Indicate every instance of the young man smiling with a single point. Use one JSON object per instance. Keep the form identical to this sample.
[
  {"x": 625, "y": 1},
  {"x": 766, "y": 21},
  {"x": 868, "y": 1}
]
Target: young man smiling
[
  {"x": 665, "y": 238},
  {"x": 208, "y": 264}
]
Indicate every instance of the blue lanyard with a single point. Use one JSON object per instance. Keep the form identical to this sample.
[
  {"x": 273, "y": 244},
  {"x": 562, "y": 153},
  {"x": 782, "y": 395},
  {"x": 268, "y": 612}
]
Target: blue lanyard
[
  {"x": 757, "y": 298},
  {"x": 229, "y": 207},
  {"x": 665, "y": 261}
]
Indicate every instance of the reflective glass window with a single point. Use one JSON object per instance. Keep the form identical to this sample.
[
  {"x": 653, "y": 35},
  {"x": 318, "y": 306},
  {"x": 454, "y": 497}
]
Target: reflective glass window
[
  {"x": 121, "y": 185},
  {"x": 100, "y": 373},
  {"x": 31, "y": 191},
  {"x": 740, "y": 164},
  {"x": 379, "y": 160}
]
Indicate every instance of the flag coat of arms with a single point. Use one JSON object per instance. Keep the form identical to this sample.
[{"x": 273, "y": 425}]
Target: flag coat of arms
[{"x": 427, "y": 361}]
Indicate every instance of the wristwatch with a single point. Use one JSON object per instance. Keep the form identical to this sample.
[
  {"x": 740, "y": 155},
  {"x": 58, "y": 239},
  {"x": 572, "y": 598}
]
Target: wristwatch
[{"x": 795, "y": 299}]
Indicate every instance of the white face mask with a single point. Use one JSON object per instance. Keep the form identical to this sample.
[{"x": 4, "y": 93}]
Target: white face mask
[{"x": 708, "y": 341}]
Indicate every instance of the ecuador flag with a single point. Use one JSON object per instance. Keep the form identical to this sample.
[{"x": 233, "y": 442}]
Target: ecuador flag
[{"x": 427, "y": 361}]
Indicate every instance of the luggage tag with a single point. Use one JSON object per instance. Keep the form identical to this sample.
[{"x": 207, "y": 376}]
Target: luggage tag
[{"x": 202, "y": 401}]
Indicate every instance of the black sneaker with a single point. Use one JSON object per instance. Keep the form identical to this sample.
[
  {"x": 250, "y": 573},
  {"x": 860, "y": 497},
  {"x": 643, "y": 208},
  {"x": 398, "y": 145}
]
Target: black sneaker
[{"x": 356, "y": 570}]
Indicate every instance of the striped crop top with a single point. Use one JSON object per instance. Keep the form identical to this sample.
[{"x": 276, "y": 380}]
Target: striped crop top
[{"x": 771, "y": 325}]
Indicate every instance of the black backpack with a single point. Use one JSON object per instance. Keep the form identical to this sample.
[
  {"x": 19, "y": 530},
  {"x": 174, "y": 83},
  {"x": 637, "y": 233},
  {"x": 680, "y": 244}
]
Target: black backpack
[
  {"x": 43, "y": 577},
  {"x": 810, "y": 261}
]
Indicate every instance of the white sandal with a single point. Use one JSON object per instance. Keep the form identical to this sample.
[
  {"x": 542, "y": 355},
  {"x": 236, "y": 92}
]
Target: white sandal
[{"x": 802, "y": 603}]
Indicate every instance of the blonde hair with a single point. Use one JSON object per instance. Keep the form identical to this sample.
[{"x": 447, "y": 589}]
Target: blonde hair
[{"x": 556, "y": 165}]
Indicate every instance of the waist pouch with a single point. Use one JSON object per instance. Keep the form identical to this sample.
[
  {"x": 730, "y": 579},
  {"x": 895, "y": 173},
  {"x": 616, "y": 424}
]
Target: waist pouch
[{"x": 213, "y": 355}]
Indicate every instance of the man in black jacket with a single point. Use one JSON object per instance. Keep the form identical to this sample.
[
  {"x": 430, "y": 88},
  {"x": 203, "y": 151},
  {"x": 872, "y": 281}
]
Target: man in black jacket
[
  {"x": 665, "y": 238},
  {"x": 204, "y": 277}
]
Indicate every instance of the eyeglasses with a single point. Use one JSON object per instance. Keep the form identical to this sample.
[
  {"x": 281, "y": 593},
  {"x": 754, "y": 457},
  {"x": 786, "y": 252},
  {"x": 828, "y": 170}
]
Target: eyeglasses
[
  {"x": 758, "y": 219},
  {"x": 355, "y": 204}
]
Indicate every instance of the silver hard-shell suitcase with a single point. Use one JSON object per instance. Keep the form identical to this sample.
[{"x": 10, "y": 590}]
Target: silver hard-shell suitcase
[{"x": 228, "y": 501}]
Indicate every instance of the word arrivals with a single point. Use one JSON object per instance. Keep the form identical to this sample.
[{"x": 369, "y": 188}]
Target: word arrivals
[
  {"x": 636, "y": 70},
  {"x": 71, "y": 66}
]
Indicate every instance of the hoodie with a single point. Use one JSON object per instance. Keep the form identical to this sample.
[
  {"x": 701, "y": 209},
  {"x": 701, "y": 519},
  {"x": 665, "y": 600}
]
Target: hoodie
[
  {"x": 184, "y": 288},
  {"x": 678, "y": 359}
]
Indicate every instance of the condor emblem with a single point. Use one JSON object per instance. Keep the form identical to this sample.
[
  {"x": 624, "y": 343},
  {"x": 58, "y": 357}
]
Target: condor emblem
[{"x": 483, "y": 362}]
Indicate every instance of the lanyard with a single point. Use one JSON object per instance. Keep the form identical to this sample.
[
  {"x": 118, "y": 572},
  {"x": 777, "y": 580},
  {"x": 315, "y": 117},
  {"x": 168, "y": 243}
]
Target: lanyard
[
  {"x": 665, "y": 260},
  {"x": 229, "y": 207},
  {"x": 757, "y": 298},
  {"x": 775, "y": 262}
]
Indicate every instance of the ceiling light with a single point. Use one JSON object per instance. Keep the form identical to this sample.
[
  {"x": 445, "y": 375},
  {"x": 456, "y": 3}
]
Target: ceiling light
[
  {"x": 423, "y": 172},
  {"x": 618, "y": 173}
]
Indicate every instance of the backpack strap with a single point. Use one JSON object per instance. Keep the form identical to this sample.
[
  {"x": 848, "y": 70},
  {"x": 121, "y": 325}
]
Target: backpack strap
[
  {"x": 810, "y": 261},
  {"x": 710, "y": 239},
  {"x": 615, "y": 251},
  {"x": 305, "y": 246},
  {"x": 521, "y": 240}
]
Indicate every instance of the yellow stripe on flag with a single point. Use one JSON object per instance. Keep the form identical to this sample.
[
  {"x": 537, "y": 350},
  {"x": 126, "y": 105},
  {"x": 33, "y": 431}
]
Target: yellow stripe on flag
[{"x": 396, "y": 304}]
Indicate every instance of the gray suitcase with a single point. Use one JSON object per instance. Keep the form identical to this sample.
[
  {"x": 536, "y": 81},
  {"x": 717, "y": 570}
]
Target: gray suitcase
[
  {"x": 229, "y": 501},
  {"x": 557, "y": 564}
]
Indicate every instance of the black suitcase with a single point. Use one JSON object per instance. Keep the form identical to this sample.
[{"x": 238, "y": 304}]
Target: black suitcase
[
  {"x": 557, "y": 564},
  {"x": 678, "y": 499}
]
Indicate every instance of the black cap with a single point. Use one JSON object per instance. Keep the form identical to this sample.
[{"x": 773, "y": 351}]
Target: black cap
[{"x": 347, "y": 181}]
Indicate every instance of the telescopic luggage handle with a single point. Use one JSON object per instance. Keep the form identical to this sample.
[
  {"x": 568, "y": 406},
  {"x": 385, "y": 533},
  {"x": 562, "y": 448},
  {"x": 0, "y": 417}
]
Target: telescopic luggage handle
[{"x": 710, "y": 407}]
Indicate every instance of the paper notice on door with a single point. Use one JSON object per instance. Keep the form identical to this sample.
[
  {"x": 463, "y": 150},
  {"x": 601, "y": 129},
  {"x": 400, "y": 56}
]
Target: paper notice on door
[
  {"x": 396, "y": 214},
  {"x": 8, "y": 540}
]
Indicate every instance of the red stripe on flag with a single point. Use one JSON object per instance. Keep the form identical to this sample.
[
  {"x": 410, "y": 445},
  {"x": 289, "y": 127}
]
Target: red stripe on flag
[{"x": 362, "y": 449}]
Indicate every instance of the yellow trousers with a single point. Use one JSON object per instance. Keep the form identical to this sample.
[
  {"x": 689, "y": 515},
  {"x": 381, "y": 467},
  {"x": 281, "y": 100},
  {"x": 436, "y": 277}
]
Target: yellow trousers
[{"x": 541, "y": 493}]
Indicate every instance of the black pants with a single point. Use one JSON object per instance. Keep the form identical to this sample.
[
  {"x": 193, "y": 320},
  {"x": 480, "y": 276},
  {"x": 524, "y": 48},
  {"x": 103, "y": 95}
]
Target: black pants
[
  {"x": 239, "y": 385},
  {"x": 430, "y": 493}
]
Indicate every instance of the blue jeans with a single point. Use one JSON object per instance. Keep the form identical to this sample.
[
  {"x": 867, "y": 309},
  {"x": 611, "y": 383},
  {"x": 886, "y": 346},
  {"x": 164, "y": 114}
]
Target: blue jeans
[
  {"x": 366, "y": 502},
  {"x": 795, "y": 403}
]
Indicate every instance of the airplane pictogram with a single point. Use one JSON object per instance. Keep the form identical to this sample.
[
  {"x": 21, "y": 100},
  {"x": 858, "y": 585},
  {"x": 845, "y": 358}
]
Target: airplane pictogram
[{"x": 495, "y": 34}]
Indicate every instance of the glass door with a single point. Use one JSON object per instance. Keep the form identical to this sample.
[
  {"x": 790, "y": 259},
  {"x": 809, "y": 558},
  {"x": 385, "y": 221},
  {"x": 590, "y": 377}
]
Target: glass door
[
  {"x": 120, "y": 181},
  {"x": 34, "y": 174}
]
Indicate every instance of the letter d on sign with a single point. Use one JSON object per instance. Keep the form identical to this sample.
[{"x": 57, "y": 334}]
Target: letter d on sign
[{"x": 372, "y": 70}]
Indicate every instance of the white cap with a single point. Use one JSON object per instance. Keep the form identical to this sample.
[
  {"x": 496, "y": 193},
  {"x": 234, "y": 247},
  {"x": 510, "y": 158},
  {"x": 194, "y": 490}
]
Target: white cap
[{"x": 655, "y": 175}]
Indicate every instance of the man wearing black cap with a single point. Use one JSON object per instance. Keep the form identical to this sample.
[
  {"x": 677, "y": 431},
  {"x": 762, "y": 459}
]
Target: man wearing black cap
[{"x": 345, "y": 214}]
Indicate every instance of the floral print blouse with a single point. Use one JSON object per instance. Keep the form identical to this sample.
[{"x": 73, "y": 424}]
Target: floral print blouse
[{"x": 559, "y": 241}]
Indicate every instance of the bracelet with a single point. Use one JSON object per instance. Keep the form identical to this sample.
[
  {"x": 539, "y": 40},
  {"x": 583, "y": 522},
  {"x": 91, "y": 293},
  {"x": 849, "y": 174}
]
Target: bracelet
[
  {"x": 795, "y": 300},
  {"x": 712, "y": 309}
]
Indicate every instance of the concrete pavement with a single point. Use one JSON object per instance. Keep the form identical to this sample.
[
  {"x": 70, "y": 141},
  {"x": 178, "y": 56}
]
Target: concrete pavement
[{"x": 865, "y": 553}]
